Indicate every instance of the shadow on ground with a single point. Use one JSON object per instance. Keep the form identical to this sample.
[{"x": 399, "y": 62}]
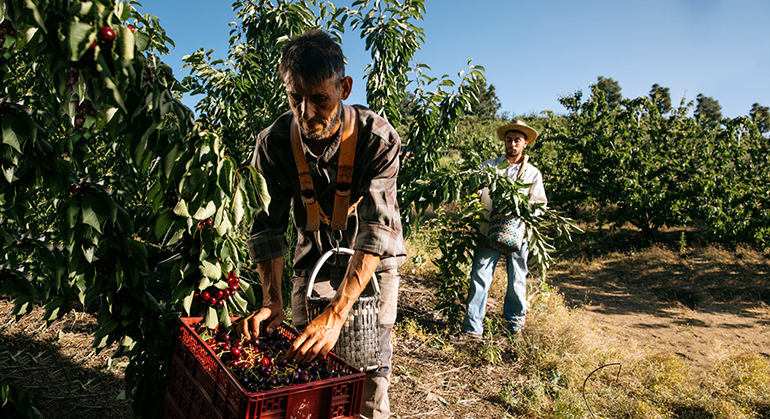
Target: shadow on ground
[
  {"x": 630, "y": 278},
  {"x": 65, "y": 378}
]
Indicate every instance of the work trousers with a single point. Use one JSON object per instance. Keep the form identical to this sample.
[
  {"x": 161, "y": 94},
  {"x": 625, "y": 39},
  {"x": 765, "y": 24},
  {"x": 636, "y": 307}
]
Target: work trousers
[{"x": 482, "y": 271}]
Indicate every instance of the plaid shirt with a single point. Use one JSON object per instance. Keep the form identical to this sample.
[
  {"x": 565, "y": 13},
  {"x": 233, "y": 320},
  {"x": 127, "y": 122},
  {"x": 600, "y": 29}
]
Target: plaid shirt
[{"x": 376, "y": 225}]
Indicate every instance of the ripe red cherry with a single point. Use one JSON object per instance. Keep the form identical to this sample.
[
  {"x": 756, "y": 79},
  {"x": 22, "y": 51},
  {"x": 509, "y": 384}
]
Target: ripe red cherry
[
  {"x": 266, "y": 361},
  {"x": 236, "y": 351},
  {"x": 220, "y": 294},
  {"x": 208, "y": 222},
  {"x": 107, "y": 33},
  {"x": 205, "y": 296},
  {"x": 234, "y": 287}
]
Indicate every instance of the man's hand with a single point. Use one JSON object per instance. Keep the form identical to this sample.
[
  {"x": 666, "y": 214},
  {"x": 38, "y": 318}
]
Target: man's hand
[
  {"x": 270, "y": 271},
  {"x": 318, "y": 339},
  {"x": 322, "y": 333},
  {"x": 272, "y": 314}
]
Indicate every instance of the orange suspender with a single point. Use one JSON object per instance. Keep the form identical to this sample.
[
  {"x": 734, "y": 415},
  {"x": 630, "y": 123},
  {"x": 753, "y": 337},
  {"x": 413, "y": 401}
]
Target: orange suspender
[
  {"x": 345, "y": 171},
  {"x": 344, "y": 175},
  {"x": 305, "y": 181}
]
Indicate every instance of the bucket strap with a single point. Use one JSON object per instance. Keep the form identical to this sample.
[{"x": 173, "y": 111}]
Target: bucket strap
[
  {"x": 521, "y": 168},
  {"x": 342, "y": 207}
]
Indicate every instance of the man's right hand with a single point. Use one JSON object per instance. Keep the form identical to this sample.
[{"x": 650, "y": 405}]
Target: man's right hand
[{"x": 250, "y": 325}]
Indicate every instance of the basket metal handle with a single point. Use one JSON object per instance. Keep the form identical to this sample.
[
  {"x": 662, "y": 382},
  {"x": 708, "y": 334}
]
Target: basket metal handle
[{"x": 327, "y": 255}]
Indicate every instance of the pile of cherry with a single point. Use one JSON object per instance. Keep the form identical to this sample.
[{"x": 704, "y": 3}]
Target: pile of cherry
[
  {"x": 215, "y": 297},
  {"x": 259, "y": 363}
]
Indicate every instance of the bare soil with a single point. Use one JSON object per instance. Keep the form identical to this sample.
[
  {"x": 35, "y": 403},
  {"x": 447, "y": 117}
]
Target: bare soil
[
  {"x": 696, "y": 303},
  {"x": 58, "y": 367}
]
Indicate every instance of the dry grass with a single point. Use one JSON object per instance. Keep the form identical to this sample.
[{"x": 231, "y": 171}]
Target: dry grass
[
  {"x": 544, "y": 370},
  {"x": 58, "y": 366}
]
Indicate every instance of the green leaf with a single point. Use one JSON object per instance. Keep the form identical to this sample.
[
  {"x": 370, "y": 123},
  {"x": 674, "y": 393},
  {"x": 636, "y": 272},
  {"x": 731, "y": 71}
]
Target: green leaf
[
  {"x": 211, "y": 318},
  {"x": 176, "y": 237},
  {"x": 94, "y": 214},
  {"x": 36, "y": 14},
  {"x": 21, "y": 307},
  {"x": 154, "y": 196},
  {"x": 109, "y": 82},
  {"x": 240, "y": 302},
  {"x": 181, "y": 209},
  {"x": 249, "y": 294},
  {"x": 8, "y": 173},
  {"x": 204, "y": 283},
  {"x": 142, "y": 41},
  {"x": 126, "y": 45},
  {"x": 123, "y": 11},
  {"x": 245, "y": 286},
  {"x": 88, "y": 252},
  {"x": 187, "y": 303},
  {"x": 224, "y": 317},
  {"x": 224, "y": 226},
  {"x": 141, "y": 146},
  {"x": 13, "y": 131},
  {"x": 169, "y": 159},
  {"x": 80, "y": 38},
  {"x": 100, "y": 342},
  {"x": 261, "y": 187},
  {"x": 163, "y": 224},
  {"x": 226, "y": 176},
  {"x": 237, "y": 206},
  {"x": 210, "y": 270},
  {"x": 205, "y": 212},
  {"x": 54, "y": 308},
  {"x": 127, "y": 342}
]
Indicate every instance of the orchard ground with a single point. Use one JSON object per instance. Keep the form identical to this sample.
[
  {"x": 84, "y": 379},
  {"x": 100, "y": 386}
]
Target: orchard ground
[{"x": 685, "y": 301}]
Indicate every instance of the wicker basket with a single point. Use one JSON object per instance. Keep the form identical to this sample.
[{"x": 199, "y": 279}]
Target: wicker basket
[{"x": 359, "y": 341}]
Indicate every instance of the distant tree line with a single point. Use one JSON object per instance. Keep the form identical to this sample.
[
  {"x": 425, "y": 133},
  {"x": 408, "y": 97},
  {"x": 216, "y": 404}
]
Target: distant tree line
[{"x": 646, "y": 162}]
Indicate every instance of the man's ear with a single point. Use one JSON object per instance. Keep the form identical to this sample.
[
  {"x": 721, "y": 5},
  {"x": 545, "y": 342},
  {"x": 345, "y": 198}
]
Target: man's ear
[{"x": 346, "y": 84}]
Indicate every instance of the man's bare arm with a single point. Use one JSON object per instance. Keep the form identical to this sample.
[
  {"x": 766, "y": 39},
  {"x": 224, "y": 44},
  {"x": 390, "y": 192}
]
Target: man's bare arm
[{"x": 322, "y": 333}]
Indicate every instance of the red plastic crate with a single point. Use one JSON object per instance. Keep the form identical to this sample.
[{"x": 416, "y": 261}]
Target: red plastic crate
[{"x": 202, "y": 387}]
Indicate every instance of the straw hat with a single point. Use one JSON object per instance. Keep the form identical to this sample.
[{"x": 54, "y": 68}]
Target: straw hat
[{"x": 518, "y": 125}]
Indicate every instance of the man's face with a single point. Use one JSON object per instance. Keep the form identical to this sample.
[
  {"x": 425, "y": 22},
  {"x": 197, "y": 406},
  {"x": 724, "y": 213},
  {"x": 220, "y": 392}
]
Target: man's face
[
  {"x": 318, "y": 108},
  {"x": 515, "y": 143}
]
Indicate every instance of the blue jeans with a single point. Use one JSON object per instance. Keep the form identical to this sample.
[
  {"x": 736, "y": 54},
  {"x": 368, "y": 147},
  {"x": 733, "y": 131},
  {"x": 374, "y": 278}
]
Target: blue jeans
[{"x": 515, "y": 304}]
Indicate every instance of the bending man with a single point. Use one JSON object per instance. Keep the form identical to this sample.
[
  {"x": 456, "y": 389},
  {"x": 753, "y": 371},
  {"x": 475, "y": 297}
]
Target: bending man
[{"x": 313, "y": 72}]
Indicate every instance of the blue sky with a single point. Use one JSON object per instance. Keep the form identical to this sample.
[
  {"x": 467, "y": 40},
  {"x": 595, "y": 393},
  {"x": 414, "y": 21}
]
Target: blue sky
[{"x": 536, "y": 51}]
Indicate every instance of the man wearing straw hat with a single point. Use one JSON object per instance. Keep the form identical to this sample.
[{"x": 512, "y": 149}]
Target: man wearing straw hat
[
  {"x": 334, "y": 167},
  {"x": 516, "y": 136}
]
